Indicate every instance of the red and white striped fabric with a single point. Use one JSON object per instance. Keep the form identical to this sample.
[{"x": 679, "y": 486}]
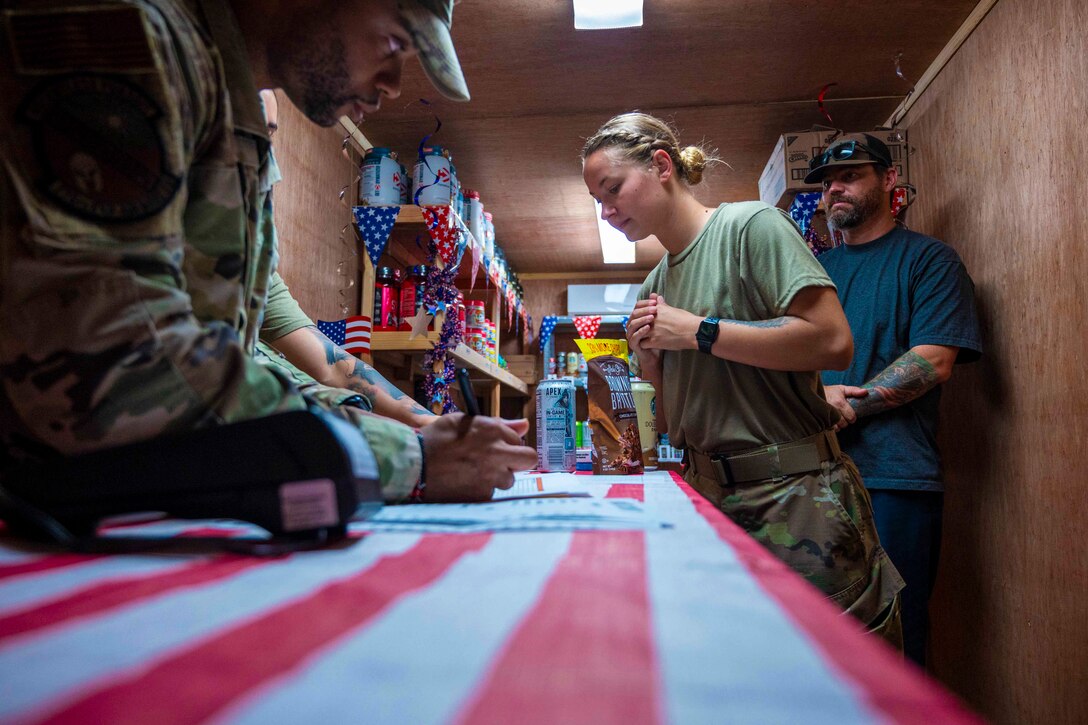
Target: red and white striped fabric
[{"x": 689, "y": 624}]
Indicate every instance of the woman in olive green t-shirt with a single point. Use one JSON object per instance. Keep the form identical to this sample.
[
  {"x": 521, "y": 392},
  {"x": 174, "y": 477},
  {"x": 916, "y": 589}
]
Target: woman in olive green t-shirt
[{"x": 735, "y": 354}]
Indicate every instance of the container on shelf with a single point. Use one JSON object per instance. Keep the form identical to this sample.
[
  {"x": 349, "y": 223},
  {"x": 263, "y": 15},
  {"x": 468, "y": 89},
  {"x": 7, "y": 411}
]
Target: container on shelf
[
  {"x": 404, "y": 184},
  {"x": 489, "y": 235},
  {"x": 461, "y": 316},
  {"x": 412, "y": 289},
  {"x": 475, "y": 219},
  {"x": 432, "y": 178},
  {"x": 477, "y": 341},
  {"x": 572, "y": 364},
  {"x": 386, "y": 299},
  {"x": 380, "y": 177},
  {"x": 475, "y": 315}
]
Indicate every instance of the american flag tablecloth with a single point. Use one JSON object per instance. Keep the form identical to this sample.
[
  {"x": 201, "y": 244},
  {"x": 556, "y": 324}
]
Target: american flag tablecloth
[{"x": 689, "y": 624}]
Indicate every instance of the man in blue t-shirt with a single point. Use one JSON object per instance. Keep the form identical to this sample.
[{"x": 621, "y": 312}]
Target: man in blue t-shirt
[{"x": 911, "y": 307}]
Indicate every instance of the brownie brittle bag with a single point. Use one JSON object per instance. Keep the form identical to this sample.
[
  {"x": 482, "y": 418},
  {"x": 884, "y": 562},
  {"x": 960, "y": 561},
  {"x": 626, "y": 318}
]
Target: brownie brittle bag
[{"x": 616, "y": 446}]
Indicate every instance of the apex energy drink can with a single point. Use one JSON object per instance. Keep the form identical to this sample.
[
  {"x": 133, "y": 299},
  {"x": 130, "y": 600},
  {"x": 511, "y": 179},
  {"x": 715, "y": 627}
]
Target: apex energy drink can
[{"x": 555, "y": 425}]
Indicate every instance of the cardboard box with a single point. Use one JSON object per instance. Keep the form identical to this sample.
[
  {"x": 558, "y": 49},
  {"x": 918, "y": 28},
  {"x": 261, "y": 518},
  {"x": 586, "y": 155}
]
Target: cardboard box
[
  {"x": 784, "y": 174},
  {"x": 523, "y": 367}
]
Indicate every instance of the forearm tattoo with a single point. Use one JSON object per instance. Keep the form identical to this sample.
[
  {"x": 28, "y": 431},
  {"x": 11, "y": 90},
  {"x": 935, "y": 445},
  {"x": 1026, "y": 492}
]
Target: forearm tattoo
[
  {"x": 776, "y": 322},
  {"x": 363, "y": 378},
  {"x": 906, "y": 379}
]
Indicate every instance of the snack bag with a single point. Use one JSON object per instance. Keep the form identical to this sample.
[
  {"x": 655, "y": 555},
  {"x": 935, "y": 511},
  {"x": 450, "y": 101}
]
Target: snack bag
[{"x": 612, "y": 415}]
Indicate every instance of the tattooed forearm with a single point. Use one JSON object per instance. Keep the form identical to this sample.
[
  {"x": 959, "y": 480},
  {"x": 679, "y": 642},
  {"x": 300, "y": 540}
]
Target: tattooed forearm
[
  {"x": 906, "y": 379},
  {"x": 362, "y": 378},
  {"x": 776, "y": 322}
]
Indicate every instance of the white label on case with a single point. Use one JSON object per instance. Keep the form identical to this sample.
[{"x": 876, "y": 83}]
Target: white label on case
[{"x": 308, "y": 504}]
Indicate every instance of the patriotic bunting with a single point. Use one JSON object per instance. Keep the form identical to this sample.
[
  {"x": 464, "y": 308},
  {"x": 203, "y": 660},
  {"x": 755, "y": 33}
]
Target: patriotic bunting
[
  {"x": 443, "y": 231},
  {"x": 587, "y": 326},
  {"x": 375, "y": 223},
  {"x": 477, "y": 256},
  {"x": 900, "y": 200},
  {"x": 547, "y": 326},
  {"x": 351, "y": 333},
  {"x": 803, "y": 208}
]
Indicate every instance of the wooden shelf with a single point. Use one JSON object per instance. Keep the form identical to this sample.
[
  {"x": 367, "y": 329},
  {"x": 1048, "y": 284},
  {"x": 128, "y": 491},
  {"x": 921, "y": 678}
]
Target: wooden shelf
[
  {"x": 475, "y": 361},
  {"x": 495, "y": 382},
  {"x": 479, "y": 366},
  {"x": 401, "y": 342}
]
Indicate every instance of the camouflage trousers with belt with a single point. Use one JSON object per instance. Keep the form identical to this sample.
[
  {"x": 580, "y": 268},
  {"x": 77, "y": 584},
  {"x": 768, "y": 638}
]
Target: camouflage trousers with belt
[{"x": 820, "y": 523}]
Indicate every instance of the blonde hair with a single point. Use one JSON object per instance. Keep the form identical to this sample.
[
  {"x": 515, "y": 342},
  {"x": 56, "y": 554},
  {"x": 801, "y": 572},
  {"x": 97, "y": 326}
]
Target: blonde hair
[{"x": 636, "y": 136}]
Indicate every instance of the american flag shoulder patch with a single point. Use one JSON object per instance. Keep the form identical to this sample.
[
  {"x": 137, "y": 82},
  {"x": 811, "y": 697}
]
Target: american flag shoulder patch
[{"x": 110, "y": 38}]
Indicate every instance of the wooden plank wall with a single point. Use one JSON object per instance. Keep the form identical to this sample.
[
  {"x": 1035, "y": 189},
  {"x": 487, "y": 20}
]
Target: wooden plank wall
[
  {"x": 1001, "y": 165},
  {"x": 309, "y": 215}
]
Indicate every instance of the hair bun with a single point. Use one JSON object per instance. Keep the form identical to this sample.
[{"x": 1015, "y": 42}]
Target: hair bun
[{"x": 694, "y": 163}]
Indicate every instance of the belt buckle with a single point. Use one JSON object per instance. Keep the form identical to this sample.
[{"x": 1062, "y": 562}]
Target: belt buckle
[{"x": 722, "y": 463}]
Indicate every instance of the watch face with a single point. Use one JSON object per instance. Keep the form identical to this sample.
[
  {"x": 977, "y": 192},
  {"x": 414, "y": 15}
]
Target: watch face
[{"x": 707, "y": 334}]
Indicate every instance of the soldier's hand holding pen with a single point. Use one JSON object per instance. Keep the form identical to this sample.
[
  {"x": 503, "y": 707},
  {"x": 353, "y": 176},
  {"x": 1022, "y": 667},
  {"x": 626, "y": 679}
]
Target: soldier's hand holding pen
[{"x": 469, "y": 456}]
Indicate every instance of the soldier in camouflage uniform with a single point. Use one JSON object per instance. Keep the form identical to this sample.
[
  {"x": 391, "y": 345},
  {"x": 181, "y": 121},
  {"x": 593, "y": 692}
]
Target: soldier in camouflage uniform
[
  {"x": 735, "y": 356},
  {"x": 135, "y": 256},
  {"x": 290, "y": 340}
]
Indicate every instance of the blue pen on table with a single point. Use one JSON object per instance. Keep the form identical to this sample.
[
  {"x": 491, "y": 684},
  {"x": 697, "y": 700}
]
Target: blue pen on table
[{"x": 471, "y": 408}]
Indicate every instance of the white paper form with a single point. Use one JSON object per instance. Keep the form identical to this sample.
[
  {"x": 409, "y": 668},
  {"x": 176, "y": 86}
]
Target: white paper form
[
  {"x": 527, "y": 514},
  {"x": 529, "y": 483}
]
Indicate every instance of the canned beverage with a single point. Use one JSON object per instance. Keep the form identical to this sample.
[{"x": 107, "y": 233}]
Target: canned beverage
[
  {"x": 432, "y": 177},
  {"x": 555, "y": 426},
  {"x": 380, "y": 178},
  {"x": 561, "y": 364},
  {"x": 646, "y": 412},
  {"x": 572, "y": 364}
]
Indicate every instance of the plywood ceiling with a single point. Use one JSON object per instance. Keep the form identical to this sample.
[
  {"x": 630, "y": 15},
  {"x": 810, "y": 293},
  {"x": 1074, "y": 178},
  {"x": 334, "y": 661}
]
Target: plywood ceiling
[{"x": 735, "y": 73}]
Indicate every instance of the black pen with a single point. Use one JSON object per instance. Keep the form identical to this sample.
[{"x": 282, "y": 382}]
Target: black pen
[{"x": 466, "y": 392}]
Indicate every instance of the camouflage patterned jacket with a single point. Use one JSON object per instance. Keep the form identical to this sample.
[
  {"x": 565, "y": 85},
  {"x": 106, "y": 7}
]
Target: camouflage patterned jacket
[{"x": 136, "y": 246}]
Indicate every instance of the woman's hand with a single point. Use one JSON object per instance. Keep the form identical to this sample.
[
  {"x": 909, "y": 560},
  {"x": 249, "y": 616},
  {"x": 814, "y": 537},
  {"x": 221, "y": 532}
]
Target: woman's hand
[{"x": 660, "y": 326}]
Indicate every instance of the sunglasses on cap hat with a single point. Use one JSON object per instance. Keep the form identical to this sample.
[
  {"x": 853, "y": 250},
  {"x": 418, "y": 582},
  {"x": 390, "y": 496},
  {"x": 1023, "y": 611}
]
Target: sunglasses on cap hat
[{"x": 847, "y": 150}]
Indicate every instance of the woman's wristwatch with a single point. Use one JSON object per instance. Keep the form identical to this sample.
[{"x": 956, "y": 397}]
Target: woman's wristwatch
[{"x": 707, "y": 333}]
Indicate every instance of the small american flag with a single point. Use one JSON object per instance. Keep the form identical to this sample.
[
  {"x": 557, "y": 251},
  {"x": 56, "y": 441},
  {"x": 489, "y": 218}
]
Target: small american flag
[{"x": 351, "y": 333}]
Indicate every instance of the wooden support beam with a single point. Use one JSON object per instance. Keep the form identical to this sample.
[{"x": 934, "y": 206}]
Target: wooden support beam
[{"x": 941, "y": 61}]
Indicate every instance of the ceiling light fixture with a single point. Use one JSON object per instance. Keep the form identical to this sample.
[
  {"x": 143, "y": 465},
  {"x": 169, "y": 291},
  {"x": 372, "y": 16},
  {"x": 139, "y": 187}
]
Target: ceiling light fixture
[
  {"x": 605, "y": 14},
  {"x": 614, "y": 245}
]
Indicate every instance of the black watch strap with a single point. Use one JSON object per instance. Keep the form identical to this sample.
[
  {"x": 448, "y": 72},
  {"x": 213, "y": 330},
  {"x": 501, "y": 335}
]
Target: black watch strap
[{"x": 707, "y": 334}]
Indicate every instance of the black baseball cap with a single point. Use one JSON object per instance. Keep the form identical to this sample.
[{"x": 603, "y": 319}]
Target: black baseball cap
[{"x": 849, "y": 150}]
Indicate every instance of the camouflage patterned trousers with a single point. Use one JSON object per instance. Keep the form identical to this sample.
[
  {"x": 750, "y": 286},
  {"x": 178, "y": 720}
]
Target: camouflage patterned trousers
[{"x": 820, "y": 523}]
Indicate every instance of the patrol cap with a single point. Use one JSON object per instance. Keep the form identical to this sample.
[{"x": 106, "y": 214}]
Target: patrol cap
[
  {"x": 429, "y": 23},
  {"x": 849, "y": 150}
]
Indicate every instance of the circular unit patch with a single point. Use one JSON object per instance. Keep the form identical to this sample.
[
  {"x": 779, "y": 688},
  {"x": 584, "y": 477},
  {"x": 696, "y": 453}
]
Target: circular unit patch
[{"x": 100, "y": 147}]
